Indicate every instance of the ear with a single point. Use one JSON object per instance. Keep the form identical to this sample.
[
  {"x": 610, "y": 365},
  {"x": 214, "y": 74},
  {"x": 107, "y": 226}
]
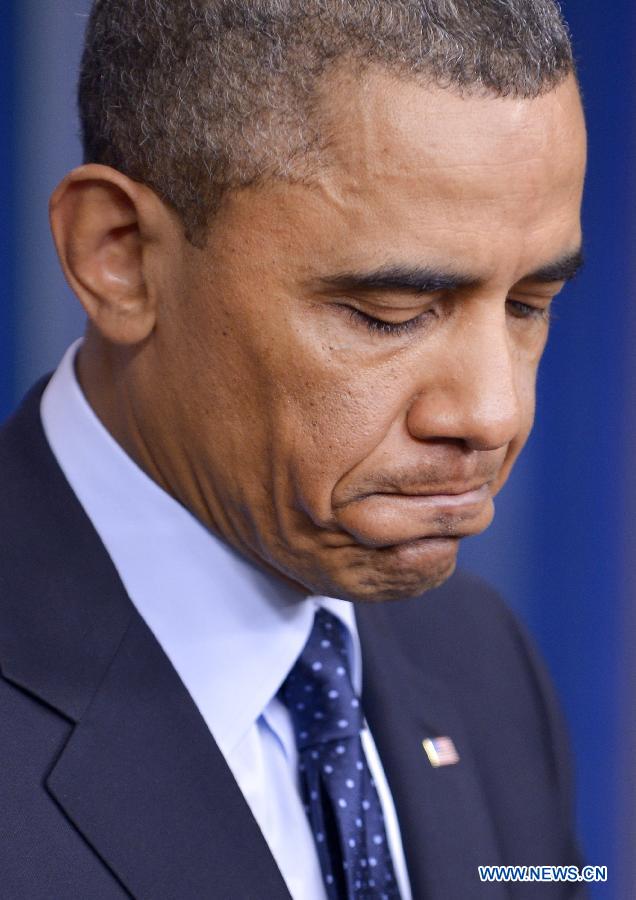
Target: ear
[{"x": 102, "y": 224}]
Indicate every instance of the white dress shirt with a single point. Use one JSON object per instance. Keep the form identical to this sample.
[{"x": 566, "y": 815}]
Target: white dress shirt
[{"x": 231, "y": 631}]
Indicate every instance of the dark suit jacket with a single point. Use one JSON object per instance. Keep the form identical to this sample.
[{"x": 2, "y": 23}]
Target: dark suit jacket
[{"x": 111, "y": 785}]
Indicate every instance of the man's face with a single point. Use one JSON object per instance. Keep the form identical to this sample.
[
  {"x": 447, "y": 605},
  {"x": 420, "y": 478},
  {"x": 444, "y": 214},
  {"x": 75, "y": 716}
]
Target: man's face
[{"x": 342, "y": 380}]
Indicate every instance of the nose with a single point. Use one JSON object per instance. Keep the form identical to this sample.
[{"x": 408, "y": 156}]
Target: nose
[{"x": 471, "y": 393}]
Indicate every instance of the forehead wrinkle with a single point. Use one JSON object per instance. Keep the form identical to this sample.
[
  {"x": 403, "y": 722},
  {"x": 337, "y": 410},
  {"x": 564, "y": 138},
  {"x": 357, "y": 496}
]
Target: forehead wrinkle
[{"x": 373, "y": 135}]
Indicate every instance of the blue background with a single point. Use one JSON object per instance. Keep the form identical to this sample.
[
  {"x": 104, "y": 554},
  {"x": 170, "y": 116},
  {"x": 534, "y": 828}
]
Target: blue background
[{"x": 561, "y": 548}]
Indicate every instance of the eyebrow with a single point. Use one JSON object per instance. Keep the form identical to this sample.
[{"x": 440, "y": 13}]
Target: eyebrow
[
  {"x": 429, "y": 280},
  {"x": 565, "y": 268},
  {"x": 412, "y": 280}
]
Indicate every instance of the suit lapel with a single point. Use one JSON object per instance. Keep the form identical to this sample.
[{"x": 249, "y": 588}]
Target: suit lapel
[
  {"x": 446, "y": 829},
  {"x": 145, "y": 784}
]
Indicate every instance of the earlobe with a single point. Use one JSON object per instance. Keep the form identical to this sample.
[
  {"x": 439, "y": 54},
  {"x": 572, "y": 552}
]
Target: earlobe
[{"x": 95, "y": 219}]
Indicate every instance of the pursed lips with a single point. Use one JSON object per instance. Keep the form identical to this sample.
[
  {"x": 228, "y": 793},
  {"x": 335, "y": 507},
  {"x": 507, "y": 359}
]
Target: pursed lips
[
  {"x": 465, "y": 490},
  {"x": 383, "y": 518},
  {"x": 461, "y": 502}
]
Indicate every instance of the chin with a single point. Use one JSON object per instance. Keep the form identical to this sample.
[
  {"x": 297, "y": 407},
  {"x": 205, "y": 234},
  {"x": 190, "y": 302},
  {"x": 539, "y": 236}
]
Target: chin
[
  {"x": 381, "y": 588},
  {"x": 394, "y": 573}
]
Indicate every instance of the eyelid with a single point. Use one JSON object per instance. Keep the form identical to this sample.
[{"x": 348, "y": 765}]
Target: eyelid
[
  {"x": 531, "y": 311},
  {"x": 541, "y": 290},
  {"x": 378, "y": 325},
  {"x": 382, "y": 326},
  {"x": 378, "y": 303}
]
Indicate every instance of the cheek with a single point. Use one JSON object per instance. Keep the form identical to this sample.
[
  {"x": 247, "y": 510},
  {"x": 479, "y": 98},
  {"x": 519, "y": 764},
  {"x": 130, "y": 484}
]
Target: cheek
[
  {"x": 329, "y": 427},
  {"x": 331, "y": 399},
  {"x": 526, "y": 398},
  {"x": 527, "y": 390}
]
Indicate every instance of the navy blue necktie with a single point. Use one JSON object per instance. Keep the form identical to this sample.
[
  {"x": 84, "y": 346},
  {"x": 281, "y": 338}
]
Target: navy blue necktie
[{"x": 340, "y": 796}]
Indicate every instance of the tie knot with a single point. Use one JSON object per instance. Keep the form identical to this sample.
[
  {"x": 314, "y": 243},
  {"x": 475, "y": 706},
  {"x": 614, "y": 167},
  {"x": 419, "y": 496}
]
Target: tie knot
[{"x": 318, "y": 692}]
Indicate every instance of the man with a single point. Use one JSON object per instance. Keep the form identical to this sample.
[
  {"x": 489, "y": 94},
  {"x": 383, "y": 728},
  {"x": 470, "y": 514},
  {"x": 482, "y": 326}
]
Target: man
[{"x": 317, "y": 243}]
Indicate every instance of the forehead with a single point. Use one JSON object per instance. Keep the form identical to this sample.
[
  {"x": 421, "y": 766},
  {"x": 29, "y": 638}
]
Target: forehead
[
  {"x": 414, "y": 159},
  {"x": 412, "y": 174},
  {"x": 377, "y": 126}
]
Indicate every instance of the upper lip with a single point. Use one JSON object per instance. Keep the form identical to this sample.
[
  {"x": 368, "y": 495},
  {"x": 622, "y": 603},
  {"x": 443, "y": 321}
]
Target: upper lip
[{"x": 446, "y": 490}]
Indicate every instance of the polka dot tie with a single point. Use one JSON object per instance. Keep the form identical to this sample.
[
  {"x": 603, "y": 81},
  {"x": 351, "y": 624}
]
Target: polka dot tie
[{"x": 340, "y": 796}]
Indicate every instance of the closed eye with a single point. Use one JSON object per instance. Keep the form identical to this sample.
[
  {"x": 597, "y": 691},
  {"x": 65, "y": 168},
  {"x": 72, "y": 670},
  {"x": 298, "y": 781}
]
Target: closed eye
[
  {"x": 382, "y": 326},
  {"x": 375, "y": 325},
  {"x": 528, "y": 311}
]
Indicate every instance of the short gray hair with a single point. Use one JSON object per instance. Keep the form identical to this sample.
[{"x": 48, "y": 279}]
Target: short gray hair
[{"x": 192, "y": 97}]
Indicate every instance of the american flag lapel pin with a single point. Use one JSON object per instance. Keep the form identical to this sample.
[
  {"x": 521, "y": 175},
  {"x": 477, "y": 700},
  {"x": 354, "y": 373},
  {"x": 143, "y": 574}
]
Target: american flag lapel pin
[{"x": 440, "y": 751}]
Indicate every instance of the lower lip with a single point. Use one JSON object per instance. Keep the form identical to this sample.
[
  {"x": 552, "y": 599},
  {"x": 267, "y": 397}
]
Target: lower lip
[
  {"x": 456, "y": 504},
  {"x": 382, "y": 520}
]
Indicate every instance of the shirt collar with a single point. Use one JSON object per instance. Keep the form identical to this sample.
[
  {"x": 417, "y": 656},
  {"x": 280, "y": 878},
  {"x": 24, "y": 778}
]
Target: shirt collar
[{"x": 231, "y": 631}]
